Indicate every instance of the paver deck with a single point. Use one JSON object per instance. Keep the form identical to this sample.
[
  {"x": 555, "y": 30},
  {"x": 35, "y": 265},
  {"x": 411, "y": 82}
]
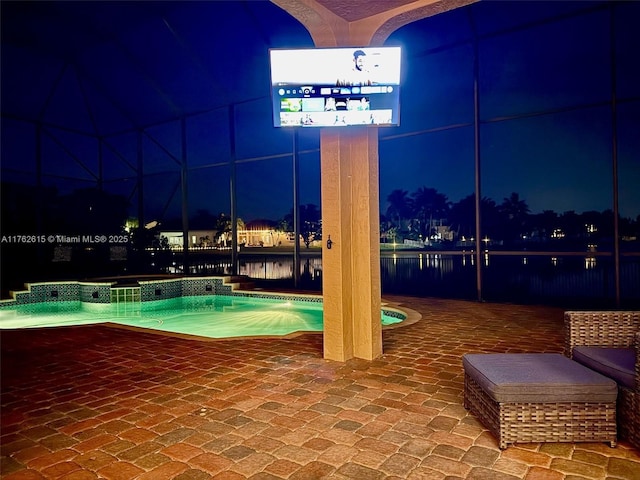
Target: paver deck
[{"x": 102, "y": 402}]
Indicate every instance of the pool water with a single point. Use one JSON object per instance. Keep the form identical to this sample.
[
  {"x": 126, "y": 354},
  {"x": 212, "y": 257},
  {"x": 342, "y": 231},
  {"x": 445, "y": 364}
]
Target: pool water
[{"x": 216, "y": 316}]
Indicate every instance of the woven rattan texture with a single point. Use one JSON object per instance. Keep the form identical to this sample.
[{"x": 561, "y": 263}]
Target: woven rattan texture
[
  {"x": 615, "y": 329},
  {"x": 541, "y": 422}
]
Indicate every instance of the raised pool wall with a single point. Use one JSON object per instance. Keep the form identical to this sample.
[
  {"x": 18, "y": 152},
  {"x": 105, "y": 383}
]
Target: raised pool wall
[
  {"x": 161, "y": 289},
  {"x": 102, "y": 292}
]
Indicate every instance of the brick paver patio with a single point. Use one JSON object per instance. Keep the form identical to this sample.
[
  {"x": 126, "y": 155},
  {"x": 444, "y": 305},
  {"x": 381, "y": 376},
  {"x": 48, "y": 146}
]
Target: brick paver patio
[{"x": 103, "y": 402}]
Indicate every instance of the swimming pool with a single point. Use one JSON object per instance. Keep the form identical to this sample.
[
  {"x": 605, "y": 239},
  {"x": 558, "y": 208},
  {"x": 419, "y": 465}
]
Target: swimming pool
[{"x": 213, "y": 316}]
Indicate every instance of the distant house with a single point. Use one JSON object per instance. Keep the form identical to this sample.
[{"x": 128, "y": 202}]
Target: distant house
[
  {"x": 262, "y": 233},
  {"x": 197, "y": 238},
  {"x": 255, "y": 236}
]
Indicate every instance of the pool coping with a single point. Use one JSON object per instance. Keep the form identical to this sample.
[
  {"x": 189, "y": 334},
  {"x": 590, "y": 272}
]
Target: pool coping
[
  {"x": 194, "y": 286},
  {"x": 411, "y": 317}
]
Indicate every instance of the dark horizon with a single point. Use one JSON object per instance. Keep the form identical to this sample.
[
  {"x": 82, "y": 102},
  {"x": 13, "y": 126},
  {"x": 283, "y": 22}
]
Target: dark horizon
[{"x": 100, "y": 110}]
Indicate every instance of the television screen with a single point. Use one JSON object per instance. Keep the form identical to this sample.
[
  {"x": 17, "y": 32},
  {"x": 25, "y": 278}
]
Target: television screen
[{"x": 335, "y": 87}]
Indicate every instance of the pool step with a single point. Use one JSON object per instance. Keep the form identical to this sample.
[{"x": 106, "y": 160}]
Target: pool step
[{"x": 242, "y": 282}]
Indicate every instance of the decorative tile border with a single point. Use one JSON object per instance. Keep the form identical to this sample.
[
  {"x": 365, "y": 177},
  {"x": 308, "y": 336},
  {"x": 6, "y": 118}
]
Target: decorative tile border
[
  {"x": 95, "y": 292},
  {"x": 279, "y": 296},
  {"x": 193, "y": 286},
  {"x": 394, "y": 313},
  {"x": 45, "y": 292},
  {"x": 100, "y": 292},
  {"x": 160, "y": 289}
]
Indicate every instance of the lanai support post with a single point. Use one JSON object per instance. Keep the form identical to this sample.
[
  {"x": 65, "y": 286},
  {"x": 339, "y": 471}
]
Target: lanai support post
[{"x": 349, "y": 185}]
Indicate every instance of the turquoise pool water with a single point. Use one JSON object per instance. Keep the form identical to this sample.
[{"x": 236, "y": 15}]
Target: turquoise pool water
[{"x": 216, "y": 316}]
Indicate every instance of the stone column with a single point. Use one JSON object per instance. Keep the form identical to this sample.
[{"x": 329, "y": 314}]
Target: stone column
[
  {"x": 349, "y": 176},
  {"x": 351, "y": 223}
]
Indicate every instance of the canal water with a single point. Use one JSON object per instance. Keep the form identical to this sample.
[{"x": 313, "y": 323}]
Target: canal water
[{"x": 568, "y": 280}]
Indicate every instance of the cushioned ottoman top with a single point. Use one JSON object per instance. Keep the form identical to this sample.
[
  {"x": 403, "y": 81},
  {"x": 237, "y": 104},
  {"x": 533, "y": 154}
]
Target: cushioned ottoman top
[{"x": 537, "y": 378}]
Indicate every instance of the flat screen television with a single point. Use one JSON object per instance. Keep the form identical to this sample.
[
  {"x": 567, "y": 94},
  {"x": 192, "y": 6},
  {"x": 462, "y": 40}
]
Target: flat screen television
[{"x": 335, "y": 87}]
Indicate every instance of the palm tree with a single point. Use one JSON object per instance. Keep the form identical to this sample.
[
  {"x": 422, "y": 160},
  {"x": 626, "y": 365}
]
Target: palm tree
[
  {"x": 515, "y": 213},
  {"x": 399, "y": 208},
  {"x": 310, "y": 224},
  {"x": 387, "y": 228},
  {"x": 463, "y": 216},
  {"x": 514, "y": 208},
  {"x": 223, "y": 228},
  {"x": 428, "y": 204}
]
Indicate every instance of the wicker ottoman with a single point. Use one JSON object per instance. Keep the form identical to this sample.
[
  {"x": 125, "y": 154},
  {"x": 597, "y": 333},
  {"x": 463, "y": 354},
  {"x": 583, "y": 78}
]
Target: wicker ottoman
[{"x": 539, "y": 397}]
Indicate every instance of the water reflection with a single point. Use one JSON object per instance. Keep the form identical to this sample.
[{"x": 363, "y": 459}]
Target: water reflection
[
  {"x": 264, "y": 268},
  {"x": 280, "y": 268},
  {"x": 534, "y": 277}
]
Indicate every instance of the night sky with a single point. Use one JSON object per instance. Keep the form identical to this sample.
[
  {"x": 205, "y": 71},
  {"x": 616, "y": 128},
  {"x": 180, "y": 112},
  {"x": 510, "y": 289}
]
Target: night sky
[{"x": 545, "y": 86}]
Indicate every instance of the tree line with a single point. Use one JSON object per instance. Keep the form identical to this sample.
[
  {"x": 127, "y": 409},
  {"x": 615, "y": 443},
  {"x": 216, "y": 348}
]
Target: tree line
[
  {"x": 417, "y": 215},
  {"x": 424, "y": 214}
]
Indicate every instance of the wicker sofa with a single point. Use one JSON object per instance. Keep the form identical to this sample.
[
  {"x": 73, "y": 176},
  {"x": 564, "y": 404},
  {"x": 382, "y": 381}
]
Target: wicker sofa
[{"x": 609, "y": 343}]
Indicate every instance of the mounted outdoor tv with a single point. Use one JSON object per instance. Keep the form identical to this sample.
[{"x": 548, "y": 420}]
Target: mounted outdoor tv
[{"x": 335, "y": 87}]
